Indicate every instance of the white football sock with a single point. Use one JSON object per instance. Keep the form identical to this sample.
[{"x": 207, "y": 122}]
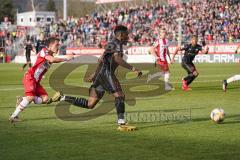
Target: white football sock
[
  {"x": 152, "y": 76},
  {"x": 38, "y": 100},
  {"x": 20, "y": 107},
  {"x": 233, "y": 78},
  {"x": 168, "y": 86},
  {"x": 166, "y": 77}
]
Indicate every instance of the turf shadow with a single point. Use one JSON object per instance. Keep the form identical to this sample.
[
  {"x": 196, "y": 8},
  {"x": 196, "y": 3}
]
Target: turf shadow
[{"x": 231, "y": 122}]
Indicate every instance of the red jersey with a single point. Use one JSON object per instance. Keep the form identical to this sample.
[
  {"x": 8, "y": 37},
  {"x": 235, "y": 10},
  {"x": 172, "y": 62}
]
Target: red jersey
[
  {"x": 41, "y": 66},
  {"x": 161, "y": 46}
]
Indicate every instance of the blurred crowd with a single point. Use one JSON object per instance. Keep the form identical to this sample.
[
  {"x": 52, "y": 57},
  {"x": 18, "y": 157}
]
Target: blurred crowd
[{"x": 212, "y": 20}]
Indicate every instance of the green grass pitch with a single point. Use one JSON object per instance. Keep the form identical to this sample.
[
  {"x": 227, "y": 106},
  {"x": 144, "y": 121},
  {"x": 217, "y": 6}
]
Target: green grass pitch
[{"x": 190, "y": 135}]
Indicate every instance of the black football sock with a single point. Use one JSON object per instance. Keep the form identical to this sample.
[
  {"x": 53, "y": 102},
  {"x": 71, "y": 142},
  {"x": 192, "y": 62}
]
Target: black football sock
[
  {"x": 189, "y": 81},
  {"x": 80, "y": 102},
  {"x": 120, "y": 107},
  {"x": 188, "y": 77}
]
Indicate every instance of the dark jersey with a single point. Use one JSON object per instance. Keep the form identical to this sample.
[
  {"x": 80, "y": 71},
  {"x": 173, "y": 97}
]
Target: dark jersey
[
  {"x": 190, "y": 52},
  {"x": 28, "y": 48},
  {"x": 108, "y": 60},
  {"x": 40, "y": 45},
  {"x": 111, "y": 59}
]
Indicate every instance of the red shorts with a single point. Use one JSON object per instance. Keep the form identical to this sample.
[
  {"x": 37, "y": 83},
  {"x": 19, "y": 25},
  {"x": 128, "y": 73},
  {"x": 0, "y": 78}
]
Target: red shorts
[
  {"x": 31, "y": 87},
  {"x": 163, "y": 65}
]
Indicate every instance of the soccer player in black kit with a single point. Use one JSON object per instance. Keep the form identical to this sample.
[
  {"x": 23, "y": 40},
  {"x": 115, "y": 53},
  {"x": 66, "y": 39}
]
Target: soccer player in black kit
[
  {"x": 191, "y": 50},
  {"x": 104, "y": 78},
  {"x": 28, "y": 48},
  {"x": 41, "y": 43}
]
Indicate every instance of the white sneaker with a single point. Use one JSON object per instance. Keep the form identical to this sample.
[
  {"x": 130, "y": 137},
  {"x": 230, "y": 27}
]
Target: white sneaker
[
  {"x": 14, "y": 119},
  {"x": 121, "y": 122}
]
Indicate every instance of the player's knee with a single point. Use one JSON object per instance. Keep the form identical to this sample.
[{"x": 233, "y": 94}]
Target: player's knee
[
  {"x": 44, "y": 99},
  {"x": 91, "y": 105},
  {"x": 30, "y": 98},
  {"x": 122, "y": 96},
  {"x": 195, "y": 73},
  {"x": 119, "y": 95}
]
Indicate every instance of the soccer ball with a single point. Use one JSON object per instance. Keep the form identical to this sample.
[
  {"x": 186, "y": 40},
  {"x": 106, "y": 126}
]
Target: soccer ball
[{"x": 217, "y": 115}]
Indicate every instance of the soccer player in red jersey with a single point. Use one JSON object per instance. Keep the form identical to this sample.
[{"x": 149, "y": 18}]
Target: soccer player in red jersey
[
  {"x": 160, "y": 51},
  {"x": 34, "y": 92}
]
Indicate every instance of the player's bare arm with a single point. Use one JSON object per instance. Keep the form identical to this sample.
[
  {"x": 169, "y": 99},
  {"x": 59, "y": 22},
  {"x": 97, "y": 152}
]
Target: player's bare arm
[
  {"x": 175, "y": 53},
  {"x": 92, "y": 77},
  {"x": 152, "y": 51},
  {"x": 52, "y": 59},
  {"x": 168, "y": 53},
  {"x": 118, "y": 58},
  {"x": 205, "y": 51}
]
